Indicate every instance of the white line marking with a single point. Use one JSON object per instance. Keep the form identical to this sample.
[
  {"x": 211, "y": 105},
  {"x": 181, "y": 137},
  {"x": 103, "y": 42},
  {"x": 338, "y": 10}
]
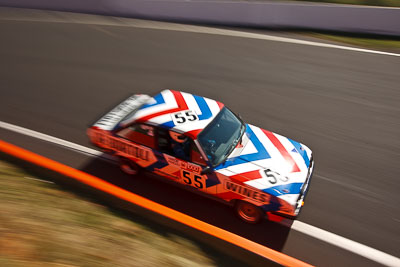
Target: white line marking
[
  {"x": 295, "y": 41},
  {"x": 39, "y": 180},
  {"x": 54, "y": 140},
  {"x": 67, "y": 17},
  {"x": 331, "y": 238},
  {"x": 350, "y": 245}
]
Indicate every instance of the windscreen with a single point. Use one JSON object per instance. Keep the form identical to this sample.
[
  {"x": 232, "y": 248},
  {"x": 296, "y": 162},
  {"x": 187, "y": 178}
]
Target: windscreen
[{"x": 221, "y": 136}]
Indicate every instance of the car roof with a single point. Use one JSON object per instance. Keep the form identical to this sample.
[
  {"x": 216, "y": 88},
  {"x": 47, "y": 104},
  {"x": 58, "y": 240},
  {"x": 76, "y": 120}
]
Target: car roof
[{"x": 159, "y": 111}]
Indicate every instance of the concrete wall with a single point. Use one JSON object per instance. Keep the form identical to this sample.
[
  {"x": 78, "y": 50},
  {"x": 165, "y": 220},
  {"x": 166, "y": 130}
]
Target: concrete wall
[{"x": 292, "y": 15}]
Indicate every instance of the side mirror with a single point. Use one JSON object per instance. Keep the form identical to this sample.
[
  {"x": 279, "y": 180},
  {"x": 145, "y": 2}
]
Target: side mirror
[{"x": 205, "y": 170}]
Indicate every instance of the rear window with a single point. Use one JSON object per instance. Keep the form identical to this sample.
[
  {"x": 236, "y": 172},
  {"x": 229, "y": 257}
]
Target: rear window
[{"x": 139, "y": 133}]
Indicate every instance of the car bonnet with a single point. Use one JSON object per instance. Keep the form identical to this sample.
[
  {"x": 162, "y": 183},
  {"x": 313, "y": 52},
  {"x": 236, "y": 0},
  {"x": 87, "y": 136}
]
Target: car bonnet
[{"x": 269, "y": 162}]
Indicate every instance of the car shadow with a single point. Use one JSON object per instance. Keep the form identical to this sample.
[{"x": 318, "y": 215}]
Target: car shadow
[{"x": 266, "y": 233}]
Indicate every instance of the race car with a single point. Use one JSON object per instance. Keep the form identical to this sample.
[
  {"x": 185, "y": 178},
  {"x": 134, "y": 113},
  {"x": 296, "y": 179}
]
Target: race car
[{"x": 201, "y": 143}]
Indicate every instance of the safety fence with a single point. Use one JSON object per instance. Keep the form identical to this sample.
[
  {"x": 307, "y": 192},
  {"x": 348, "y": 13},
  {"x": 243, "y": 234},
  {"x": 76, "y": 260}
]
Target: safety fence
[{"x": 266, "y": 14}]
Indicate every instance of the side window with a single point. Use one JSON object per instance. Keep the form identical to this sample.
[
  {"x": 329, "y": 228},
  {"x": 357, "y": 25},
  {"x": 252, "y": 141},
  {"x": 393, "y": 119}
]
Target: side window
[
  {"x": 180, "y": 145},
  {"x": 173, "y": 143},
  {"x": 163, "y": 141},
  {"x": 139, "y": 133},
  {"x": 196, "y": 155}
]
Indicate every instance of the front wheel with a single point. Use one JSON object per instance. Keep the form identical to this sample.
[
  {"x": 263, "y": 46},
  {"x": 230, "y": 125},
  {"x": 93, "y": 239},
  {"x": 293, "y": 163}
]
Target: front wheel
[
  {"x": 128, "y": 166},
  {"x": 248, "y": 212}
]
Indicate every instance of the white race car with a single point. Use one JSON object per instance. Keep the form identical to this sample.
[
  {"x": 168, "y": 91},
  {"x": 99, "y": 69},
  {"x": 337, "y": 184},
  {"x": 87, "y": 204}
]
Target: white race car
[{"x": 200, "y": 143}]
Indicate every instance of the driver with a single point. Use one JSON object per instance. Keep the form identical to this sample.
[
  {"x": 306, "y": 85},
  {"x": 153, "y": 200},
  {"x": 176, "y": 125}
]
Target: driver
[{"x": 180, "y": 145}]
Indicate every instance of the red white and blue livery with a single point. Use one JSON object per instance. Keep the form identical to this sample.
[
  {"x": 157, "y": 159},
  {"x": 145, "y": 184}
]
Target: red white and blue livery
[{"x": 198, "y": 142}]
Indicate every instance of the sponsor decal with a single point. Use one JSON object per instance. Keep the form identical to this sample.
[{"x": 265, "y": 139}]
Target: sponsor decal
[
  {"x": 183, "y": 164},
  {"x": 121, "y": 146},
  {"x": 246, "y": 191},
  {"x": 172, "y": 160}
]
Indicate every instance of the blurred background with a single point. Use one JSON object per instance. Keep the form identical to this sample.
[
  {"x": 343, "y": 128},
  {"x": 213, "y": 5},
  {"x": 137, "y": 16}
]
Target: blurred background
[{"x": 326, "y": 75}]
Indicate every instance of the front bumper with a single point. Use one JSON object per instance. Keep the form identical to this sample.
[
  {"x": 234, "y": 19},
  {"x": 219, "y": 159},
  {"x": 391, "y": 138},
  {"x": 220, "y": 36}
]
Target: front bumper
[
  {"x": 304, "y": 189},
  {"x": 302, "y": 195}
]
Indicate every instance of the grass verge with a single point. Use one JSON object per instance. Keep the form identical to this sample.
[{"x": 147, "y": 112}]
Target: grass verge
[
  {"x": 371, "y": 42},
  {"x": 43, "y": 225}
]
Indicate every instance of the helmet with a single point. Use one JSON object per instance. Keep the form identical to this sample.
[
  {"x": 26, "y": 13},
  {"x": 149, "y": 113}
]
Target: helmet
[{"x": 177, "y": 137}]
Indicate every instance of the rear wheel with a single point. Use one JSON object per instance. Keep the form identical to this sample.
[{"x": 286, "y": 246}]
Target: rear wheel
[
  {"x": 248, "y": 212},
  {"x": 128, "y": 166}
]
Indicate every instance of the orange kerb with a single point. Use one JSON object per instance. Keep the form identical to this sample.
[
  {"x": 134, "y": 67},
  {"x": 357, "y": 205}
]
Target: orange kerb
[{"x": 99, "y": 184}]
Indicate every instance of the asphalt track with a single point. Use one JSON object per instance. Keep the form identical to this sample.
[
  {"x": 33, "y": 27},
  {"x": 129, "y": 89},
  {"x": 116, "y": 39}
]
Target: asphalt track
[{"x": 56, "y": 78}]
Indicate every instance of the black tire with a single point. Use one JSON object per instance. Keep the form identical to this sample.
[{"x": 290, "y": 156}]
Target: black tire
[
  {"x": 128, "y": 166},
  {"x": 248, "y": 212}
]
